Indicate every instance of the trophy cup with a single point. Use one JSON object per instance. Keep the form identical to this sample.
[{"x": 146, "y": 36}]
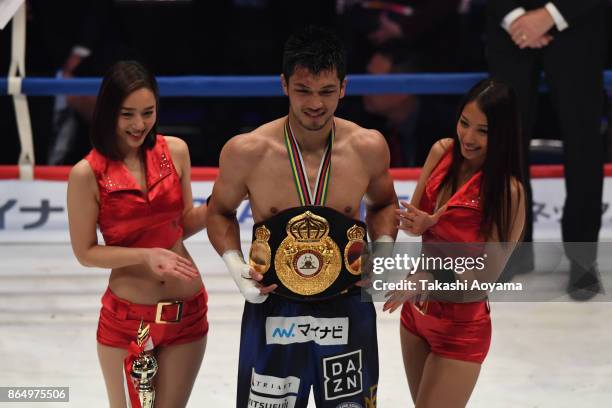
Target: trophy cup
[{"x": 144, "y": 369}]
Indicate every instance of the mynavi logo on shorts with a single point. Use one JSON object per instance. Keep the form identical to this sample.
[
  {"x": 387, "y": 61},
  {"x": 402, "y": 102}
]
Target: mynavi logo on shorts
[
  {"x": 302, "y": 329},
  {"x": 282, "y": 332}
]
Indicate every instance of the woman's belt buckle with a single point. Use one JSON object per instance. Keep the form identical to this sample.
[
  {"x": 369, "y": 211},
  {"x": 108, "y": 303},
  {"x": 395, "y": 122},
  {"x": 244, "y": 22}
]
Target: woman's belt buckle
[{"x": 160, "y": 309}]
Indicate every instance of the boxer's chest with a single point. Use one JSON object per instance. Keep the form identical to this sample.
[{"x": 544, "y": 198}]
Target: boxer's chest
[{"x": 274, "y": 186}]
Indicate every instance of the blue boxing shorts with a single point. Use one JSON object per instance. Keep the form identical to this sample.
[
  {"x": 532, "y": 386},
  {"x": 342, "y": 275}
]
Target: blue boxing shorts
[{"x": 287, "y": 346}]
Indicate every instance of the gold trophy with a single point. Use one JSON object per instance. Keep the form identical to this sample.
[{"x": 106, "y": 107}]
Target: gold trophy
[{"x": 144, "y": 369}]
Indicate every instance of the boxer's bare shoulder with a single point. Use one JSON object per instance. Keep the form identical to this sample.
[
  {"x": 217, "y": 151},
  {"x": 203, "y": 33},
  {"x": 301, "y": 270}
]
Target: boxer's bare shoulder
[
  {"x": 247, "y": 150},
  {"x": 368, "y": 144}
]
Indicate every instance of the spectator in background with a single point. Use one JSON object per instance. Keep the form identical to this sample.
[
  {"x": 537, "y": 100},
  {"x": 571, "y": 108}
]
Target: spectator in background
[
  {"x": 99, "y": 32},
  {"x": 566, "y": 40},
  {"x": 399, "y": 37},
  {"x": 411, "y": 123},
  {"x": 469, "y": 54},
  {"x": 400, "y": 111},
  {"x": 82, "y": 39},
  {"x": 426, "y": 29},
  {"x": 53, "y": 28}
]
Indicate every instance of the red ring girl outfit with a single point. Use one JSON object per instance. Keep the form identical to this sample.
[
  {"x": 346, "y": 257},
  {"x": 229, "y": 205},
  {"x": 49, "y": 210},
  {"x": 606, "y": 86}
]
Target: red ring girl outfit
[
  {"x": 128, "y": 217},
  {"x": 460, "y": 331}
]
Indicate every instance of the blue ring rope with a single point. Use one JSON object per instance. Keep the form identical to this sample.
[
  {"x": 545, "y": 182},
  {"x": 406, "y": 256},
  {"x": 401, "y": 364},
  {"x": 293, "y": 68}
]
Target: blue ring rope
[{"x": 245, "y": 86}]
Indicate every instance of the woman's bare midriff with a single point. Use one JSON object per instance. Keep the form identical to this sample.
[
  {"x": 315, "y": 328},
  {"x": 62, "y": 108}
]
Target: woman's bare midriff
[{"x": 138, "y": 284}]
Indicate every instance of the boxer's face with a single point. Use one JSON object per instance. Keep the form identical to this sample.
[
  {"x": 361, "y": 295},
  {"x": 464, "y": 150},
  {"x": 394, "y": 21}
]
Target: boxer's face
[
  {"x": 472, "y": 130},
  {"x": 137, "y": 116},
  {"x": 313, "y": 99}
]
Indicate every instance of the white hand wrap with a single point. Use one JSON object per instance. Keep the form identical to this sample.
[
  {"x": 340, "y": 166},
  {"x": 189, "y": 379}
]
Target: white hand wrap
[
  {"x": 240, "y": 273},
  {"x": 382, "y": 247}
]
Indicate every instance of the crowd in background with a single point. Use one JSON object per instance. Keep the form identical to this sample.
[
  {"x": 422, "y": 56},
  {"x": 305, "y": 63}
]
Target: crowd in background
[{"x": 245, "y": 37}]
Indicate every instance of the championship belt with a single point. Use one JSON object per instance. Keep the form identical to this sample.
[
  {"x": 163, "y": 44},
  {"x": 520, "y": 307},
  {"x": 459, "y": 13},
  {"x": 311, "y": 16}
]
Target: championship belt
[{"x": 310, "y": 252}]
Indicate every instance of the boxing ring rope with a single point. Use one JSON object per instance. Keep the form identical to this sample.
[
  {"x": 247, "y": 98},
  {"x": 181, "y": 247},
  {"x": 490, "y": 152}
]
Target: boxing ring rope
[
  {"x": 19, "y": 86},
  {"x": 60, "y": 173},
  {"x": 250, "y": 86},
  {"x": 233, "y": 86}
]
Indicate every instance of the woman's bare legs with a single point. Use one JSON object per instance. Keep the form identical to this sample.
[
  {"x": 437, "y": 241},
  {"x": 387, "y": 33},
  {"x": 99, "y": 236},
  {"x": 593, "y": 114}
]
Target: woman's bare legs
[
  {"x": 178, "y": 369},
  {"x": 414, "y": 352},
  {"x": 446, "y": 383},
  {"x": 111, "y": 362}
]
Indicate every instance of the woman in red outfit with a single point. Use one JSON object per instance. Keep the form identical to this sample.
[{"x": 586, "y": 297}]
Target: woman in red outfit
[
  {"x": 135, "y": 185},
  {"x": 469, "y": 191}
]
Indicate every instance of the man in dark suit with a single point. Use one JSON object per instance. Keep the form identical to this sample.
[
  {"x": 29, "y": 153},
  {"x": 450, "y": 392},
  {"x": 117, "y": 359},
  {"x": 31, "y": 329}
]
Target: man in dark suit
[{"x": 565, "y": 39}]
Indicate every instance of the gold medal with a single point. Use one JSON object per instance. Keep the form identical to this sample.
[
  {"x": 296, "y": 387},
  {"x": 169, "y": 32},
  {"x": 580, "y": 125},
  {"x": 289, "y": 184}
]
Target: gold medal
[
  {"x": 260, "y": 255},
  {"x": 308, "y": 261}
]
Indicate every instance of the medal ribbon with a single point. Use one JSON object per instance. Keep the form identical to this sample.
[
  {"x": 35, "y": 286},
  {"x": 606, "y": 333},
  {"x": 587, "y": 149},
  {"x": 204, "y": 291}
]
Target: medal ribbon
[{"x": 299, "y": 173}]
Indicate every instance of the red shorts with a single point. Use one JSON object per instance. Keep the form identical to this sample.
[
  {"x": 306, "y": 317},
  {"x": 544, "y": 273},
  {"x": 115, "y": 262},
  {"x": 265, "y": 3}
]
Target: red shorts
[
  {"x": 459, "y": 331},
  {"x": 169, "y": 322}
]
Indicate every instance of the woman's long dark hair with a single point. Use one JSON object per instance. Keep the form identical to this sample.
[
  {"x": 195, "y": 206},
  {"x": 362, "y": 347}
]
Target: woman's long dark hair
[
  {"x": 122, "y": 78},
  {"x": 503, "y": 159}
]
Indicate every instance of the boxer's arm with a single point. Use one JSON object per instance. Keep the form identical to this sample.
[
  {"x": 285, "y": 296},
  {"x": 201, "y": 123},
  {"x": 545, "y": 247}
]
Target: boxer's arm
[
  {"x": 228, "y": 192},
  {"x": 380, "y": 198},
  {"x": 235, "y": 163}
]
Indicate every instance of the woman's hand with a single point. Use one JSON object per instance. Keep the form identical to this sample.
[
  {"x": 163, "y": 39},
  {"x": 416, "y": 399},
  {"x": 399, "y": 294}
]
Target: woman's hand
[
  {"x": 415, "y": 221},
  {"x": 166, "y": 264},
  {"x": 396, "y": 298}
]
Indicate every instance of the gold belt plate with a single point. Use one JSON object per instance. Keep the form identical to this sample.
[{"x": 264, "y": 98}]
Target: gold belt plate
[{"x": 308, "y": 261}]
